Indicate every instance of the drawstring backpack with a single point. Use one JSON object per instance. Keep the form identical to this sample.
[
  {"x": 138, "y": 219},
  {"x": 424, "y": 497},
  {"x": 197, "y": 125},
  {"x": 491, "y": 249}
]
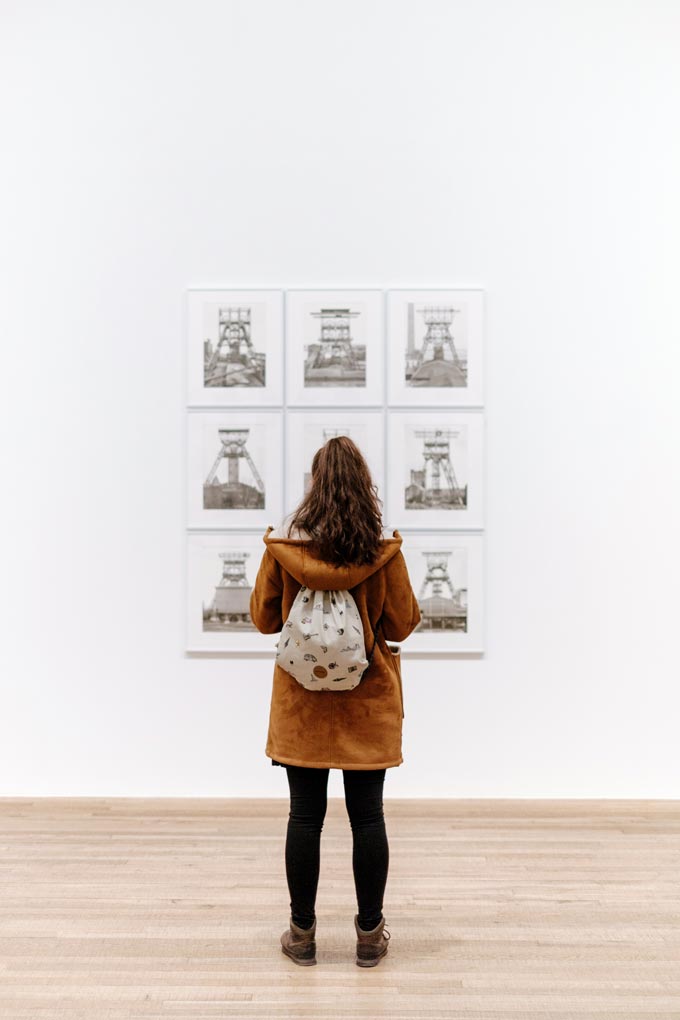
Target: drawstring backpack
[{"x": 322, "y": 641}]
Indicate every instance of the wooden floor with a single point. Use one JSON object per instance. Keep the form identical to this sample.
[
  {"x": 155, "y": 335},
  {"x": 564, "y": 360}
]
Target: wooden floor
[{"x": 539, "y": 910}]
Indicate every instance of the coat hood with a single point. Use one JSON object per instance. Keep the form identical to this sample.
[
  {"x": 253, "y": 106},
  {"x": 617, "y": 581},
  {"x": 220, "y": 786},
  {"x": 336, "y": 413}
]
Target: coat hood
[{"x": 293, "y": 554}]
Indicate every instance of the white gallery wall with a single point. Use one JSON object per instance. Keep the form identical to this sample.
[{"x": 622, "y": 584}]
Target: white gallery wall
[{"x": 527, "y": 148}]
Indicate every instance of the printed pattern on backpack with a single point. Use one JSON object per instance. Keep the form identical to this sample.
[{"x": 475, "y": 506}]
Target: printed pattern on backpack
[{"x": 322, "y": 641}]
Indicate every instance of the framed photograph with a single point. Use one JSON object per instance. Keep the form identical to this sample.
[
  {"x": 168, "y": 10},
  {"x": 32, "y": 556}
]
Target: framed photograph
[
  {"x": 435, "y": 347},
  {"x": 334, "y": 347},
  {"x": 234, "y": 468},
  {"x": 436, "y": 469},
  {"x": 271, "y": 375},
  {"x": 221, "y": 572},
  {"x": 447, "y": 574},
  {"x": 234, "y": 347},
  {"x": 306, "y": 431}
]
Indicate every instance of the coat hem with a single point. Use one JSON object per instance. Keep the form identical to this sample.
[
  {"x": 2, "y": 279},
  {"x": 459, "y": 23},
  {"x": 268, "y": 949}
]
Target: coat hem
[{"x": 338, "y": 765}]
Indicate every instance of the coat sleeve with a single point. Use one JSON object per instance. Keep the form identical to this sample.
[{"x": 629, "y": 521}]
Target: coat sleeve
[
  {"x": 401, "y": 612},
  {"x": 265, "y": 598}
]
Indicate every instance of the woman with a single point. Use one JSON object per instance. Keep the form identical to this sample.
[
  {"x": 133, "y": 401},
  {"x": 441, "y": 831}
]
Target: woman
[{"x": 335, "y": 540}]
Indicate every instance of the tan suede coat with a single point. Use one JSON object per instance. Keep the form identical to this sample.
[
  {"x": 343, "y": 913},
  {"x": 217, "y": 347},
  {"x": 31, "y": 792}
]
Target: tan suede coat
[{"x": 357, "y": 729}]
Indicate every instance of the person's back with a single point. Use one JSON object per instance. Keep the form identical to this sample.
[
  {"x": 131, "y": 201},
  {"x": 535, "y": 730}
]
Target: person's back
[{"x": 335, "y": 539}]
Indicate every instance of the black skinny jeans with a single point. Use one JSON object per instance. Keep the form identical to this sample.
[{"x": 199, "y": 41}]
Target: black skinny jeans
[{"x": 370, "y": 853}]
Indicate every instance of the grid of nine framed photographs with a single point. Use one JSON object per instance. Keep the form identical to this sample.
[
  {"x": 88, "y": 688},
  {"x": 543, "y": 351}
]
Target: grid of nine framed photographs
[{"x": 271, "y": 375}]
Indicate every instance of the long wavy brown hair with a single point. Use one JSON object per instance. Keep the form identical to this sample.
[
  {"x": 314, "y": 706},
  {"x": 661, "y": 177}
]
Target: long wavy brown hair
[{"x": 341, "y": 511}]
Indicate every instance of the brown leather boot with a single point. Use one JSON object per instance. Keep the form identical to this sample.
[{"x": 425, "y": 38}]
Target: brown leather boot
[
  {"x": 300, "y": 944},
  {"x": 371, "y": 945}
]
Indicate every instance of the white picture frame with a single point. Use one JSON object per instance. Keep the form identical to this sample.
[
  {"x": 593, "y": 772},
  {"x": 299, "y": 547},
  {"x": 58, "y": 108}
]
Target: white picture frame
[
  {"x": 446, "y": 570},
  {"x": 234, "y": 347},
  {"x": 435, "y": 348},
  {"x": 306, "y": 432},
  {"x": 234, "y": 468},
  {"x": 220, "y": 573},
  {"x": 436, "y": 477},
  {"x": 335, "y": 344}
]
